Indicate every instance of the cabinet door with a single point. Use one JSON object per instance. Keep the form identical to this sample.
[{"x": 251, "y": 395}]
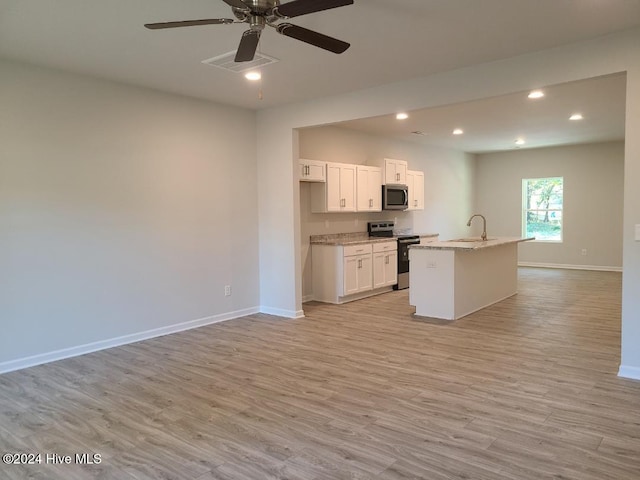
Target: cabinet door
[
  {"x": 401, "y": 172},
  {"x": 379, "y": 268},
  {"x": 418, "y": 186},
  {"x": 365, "y": 273},
  {"x": 350, "y": 281},
  {"x": 348, "y": 188},
  {"x": 375, "y": 189},
  {"x": 415, "y": 182},
  {"x": 362, "y": 189},
  {"x": 312, "y": 171},
  {"x": 391, "y": 268},
  {"x": 410, "y": 181},
  {"x": 369, "y": 189},
  {"x": 334, "y": 200},
  {"x": 390, "y": 175}
]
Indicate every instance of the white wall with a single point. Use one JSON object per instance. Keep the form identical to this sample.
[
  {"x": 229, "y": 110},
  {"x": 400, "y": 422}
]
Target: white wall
[
  {"x": 120, "y": 213},
  {"x": 630, "y": 365},
  {"x": 593, "y": 201},
  {"x": 277, "y": 155},
  {"x": 449, "y": 189}
]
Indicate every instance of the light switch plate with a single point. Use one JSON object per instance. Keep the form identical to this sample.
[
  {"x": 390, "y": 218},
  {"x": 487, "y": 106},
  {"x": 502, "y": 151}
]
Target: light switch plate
[{"x": 637, "y": 233}]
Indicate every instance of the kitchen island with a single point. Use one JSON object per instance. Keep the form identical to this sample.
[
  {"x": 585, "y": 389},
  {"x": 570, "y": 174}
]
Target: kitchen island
[{"x": 451, "y": 279}]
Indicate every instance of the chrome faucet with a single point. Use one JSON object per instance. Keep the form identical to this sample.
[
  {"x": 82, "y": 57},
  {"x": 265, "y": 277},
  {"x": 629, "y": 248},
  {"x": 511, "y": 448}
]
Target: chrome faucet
[{"x": 484, "y": 226}]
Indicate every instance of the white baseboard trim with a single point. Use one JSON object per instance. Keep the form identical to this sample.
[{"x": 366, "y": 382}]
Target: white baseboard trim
[
  {"x": 53, "y": 356},
  {"x": 598, "y": 268},
  {"x": 629, "y": 372},
  {"x": 307, "y": 298},
  {"x": 279, "y": 312}
]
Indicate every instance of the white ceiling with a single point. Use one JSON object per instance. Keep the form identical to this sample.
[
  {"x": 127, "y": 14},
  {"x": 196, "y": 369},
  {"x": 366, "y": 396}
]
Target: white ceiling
[
  {"x": 493, "y": 124},
  {"x": 391, "y": 41}
]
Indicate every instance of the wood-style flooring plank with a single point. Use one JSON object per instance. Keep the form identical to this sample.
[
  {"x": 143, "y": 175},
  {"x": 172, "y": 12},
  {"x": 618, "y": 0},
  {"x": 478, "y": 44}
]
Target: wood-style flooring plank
[{"x": 526, "y": 389}]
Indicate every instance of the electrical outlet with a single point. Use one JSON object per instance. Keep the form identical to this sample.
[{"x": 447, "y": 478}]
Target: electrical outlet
[
  {"x": 227, "y": 290},
  {"x": 583, "y": 252}
]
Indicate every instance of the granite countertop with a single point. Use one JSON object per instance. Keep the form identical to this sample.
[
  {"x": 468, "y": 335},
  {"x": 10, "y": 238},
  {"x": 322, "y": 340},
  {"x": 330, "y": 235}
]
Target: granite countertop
[
  {"x": 355, "y": 238},
  {"x": 477, "y": 244}
]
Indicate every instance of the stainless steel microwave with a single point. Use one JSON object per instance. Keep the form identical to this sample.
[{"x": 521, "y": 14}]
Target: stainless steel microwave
[{"x": 395, "y": 197}]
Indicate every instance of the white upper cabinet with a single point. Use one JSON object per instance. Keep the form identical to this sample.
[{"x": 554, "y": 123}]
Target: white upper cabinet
[
  {"x": 338, "y": 193},
  {"x": 415, "y": 182},
  {"x": 369, "y": 189},
  {"x": 312, "y": 170},
  {"x": 393, "y": 171}
]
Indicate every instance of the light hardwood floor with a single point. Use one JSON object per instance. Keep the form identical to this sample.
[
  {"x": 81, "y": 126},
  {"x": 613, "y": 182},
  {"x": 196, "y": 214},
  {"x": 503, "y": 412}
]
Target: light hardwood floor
[{"x": 525, "y": 389}]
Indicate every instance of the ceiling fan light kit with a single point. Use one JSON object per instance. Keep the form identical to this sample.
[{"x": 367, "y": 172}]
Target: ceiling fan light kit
[{"x": 261, "y": 13}]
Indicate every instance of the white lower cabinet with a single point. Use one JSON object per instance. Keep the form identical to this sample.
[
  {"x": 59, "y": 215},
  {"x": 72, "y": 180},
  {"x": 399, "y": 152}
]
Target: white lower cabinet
[
  {"x": 357, "y": 274},
  {"x": 385, "y": 264},
  {"x": 349, "y": 272}
]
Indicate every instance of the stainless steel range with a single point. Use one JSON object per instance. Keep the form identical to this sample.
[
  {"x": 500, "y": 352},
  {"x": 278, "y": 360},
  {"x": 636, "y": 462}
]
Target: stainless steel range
[{"x": 385, "y": 229}]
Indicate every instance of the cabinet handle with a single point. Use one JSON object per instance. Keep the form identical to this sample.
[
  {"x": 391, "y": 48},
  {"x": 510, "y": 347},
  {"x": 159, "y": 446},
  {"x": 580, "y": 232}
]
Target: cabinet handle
[
  {"x": 306, "y": 168},
  {"x": 371, "y": 203},
  {"x": 359, "y": 263},
  {"x": 386, "y": 259}
]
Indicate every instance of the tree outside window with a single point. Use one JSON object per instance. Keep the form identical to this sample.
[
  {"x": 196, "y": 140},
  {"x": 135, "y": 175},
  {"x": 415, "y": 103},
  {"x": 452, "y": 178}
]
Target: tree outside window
[{"x": 542, "y": 208}]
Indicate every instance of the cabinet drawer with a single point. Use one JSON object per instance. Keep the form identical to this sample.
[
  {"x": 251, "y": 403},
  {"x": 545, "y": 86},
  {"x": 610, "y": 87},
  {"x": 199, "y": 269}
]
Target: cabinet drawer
[
  {"x": 385, "y": 246},
  {"x": 361, "y": 249}
]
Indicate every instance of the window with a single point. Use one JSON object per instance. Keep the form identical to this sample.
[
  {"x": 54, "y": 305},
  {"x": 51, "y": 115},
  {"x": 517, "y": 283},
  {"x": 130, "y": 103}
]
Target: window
[{"x": 542, "y": 208}]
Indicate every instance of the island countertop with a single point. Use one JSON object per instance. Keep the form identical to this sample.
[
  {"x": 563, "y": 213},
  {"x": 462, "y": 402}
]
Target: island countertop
[{"x": 470, "y": 244}]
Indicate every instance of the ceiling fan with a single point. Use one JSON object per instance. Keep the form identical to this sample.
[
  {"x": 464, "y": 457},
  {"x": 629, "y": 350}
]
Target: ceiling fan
[{"x": 259, "y": 13}]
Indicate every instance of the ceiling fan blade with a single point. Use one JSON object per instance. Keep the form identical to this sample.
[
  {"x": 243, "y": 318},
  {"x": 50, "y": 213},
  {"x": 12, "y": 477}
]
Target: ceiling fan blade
[
  {"x": 248, "y": 45},
  {"x": 237, "y": 4},
  {"x": 188, "y": 23},
  {"x": 302, "y": 7},
  {"x": 313, "y": 38}
]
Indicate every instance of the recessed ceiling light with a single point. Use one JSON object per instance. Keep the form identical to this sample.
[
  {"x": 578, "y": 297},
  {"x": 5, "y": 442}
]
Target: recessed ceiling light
[
  {"x": 402, "y": 116},
  {"x": 520, "y": 141},
  {"x": 458, "y": 131},
  {"x": 536, "y": 94},
  {"x": 253, "y": 76},
  {"x": 576, "y": 116}
]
